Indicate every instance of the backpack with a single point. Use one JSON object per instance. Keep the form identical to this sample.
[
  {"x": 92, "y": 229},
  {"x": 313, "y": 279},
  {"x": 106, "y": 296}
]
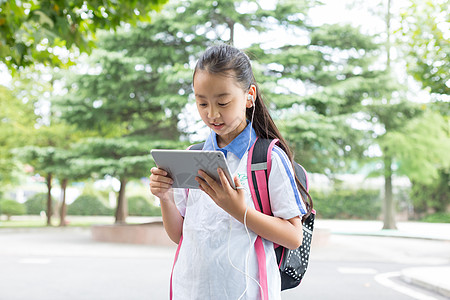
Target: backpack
[{"x": 291, "y": 263}]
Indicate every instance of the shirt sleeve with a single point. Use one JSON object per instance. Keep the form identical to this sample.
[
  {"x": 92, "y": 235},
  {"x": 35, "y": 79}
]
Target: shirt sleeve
[
  {"x": 180, "y": 197},
  {"x": 285, "y": 199}
]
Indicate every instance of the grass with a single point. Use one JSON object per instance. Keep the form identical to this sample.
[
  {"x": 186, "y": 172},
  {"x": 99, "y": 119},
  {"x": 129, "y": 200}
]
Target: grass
[
  {"x": 72, "y": 221},
  {"x": 22, "y": 223}
]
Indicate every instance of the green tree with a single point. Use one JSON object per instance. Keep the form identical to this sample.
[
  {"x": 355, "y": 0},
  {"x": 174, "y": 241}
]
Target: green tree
[
  {"x": 423, "y": 37},
  {"x": 30, "y": 30},
  {"x": 139, "y": 85},
  {"x": 335, "y": 73},
  {"x": 50, "y": 155},
  {"x": 42, "y": 159},
  {"x": 11, "y": 208},
  {"x": 130, "y": 103},
  {"x": 405, "y": 126},
  {"x": 124, "y": 158},
  {"x": 422, "y": 147},
  {"x": 16, "y": 128}
]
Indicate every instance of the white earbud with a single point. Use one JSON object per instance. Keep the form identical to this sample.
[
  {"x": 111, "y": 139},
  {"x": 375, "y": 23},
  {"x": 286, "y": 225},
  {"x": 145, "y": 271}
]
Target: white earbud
[{"x": 250, "y": 97}]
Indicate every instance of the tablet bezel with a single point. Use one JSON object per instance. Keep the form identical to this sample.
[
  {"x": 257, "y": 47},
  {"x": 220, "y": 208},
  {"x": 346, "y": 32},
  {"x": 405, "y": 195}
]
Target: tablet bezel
[{"x": 183, "y": 165}]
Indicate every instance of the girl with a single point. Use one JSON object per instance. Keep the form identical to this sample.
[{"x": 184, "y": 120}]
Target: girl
[{"x": 217, "y": 224}]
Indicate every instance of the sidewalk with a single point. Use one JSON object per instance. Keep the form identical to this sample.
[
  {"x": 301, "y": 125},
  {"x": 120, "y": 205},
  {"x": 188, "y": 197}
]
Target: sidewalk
[
  {"x": 416, "y": 230},
  {"x": 435, "y": 279}
]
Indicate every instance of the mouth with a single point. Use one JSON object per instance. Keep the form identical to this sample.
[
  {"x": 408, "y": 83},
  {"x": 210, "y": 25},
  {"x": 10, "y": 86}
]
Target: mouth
[{"x": 217, "y": 126}]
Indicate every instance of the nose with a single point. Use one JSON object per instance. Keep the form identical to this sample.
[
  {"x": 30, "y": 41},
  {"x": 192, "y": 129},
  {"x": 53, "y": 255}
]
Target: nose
[{"x": 213, "y": 112}]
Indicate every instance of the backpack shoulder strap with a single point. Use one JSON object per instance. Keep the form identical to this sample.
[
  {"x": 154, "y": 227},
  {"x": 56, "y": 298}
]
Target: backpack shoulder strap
[
  {"x": 196, "y": 146},
  {"x": 258, "y": 171}
]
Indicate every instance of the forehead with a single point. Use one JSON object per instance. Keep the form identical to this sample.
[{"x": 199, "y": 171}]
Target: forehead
[{"x": 204, "y": 81}]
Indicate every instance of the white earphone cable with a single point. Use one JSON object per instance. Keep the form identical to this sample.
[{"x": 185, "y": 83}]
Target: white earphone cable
[
  {"x": 248, "y": 234},
  {"x": 245, "y": 225}
]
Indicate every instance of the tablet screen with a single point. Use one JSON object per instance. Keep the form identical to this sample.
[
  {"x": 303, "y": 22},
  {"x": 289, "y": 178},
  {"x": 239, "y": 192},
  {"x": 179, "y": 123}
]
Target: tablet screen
[{"x": 183, "y": 165}]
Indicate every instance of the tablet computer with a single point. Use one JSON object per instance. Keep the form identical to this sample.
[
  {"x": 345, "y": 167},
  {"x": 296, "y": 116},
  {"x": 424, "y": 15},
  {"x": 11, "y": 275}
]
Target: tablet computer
[{"x": 183, "y": 165}]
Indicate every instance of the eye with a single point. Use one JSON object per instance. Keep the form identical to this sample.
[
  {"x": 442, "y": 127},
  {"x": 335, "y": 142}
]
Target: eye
[{"x": 224, "y": 104}]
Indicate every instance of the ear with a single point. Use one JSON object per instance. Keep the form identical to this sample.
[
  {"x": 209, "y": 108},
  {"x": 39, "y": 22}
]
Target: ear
[{"x": 251, "y": 96}]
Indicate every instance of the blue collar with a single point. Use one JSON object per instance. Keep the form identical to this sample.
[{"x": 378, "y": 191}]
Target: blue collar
[{"x": 238, "y": 146}]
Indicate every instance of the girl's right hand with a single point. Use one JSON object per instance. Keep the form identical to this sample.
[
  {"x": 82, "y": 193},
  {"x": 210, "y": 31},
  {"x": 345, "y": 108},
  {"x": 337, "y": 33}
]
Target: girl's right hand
[{"x": 160, "y": 183}]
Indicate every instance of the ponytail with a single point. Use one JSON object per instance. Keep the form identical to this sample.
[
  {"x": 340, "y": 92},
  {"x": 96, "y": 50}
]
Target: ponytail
[{"x": 265, "y": 128}]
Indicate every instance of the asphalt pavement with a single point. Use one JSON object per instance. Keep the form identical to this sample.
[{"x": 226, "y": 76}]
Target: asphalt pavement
[
  {"x": 435, "y": 279},
  {"x": 35, "y": 246}
]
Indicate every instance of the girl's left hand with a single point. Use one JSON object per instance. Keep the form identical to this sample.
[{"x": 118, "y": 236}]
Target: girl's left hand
[{"x": 229, "y": 199}]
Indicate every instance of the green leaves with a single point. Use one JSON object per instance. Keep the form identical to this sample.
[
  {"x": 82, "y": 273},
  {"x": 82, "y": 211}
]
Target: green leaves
[
  {"x": 29, "y": 29},
  {"x": 127, "y": 157},
  {"x": 426, "y": 44},
  {"x": 343, "y": 37},
  {"x": 421, "y": 147},
  {"x": 16, "y": 129}
]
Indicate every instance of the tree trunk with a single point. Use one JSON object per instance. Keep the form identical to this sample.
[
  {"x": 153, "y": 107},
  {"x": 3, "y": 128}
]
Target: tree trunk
[
  {"x": 49, "y": 199},
  {"x": 122, "y": 205},
  {"x": 231, "y": 27},
  {"x": 388, "y": 38},
  {"x": 63, "y": 208},
  {"x": 388, "y": 207}
]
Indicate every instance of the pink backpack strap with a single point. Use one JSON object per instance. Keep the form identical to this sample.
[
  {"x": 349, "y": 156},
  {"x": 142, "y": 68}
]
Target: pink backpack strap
[
  {"x": 176, "y": 258},
  {"x": 261, "y": 255},
  {"x": 261, "y": 179},
  {"x": 174, "y": 261}
]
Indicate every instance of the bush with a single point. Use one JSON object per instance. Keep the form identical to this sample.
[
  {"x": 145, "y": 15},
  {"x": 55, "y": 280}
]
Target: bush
[
  {"x": 88, "y": 205},
  {"x": 11, "y": 208},
  {"x": 38, "y": 203},
  {"x": 140, "y": 206},
  {"x": 347, "y": 204},
  {"x": 433, "y": 197},
  {"x": 437, "y": 218}
]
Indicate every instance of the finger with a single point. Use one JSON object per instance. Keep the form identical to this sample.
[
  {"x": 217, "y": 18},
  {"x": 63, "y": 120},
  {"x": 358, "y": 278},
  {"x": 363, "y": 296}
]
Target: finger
[
  {"x": 223, "y": 179},
  {"x": 163, "y": 179},
  {"x": 160, "y": 185},
  {"x": 155, "y": 180},
  {"x": 204, "y": 186},
  {"x": 158, "y": 171},
  {"x": 211, "y": 182}
]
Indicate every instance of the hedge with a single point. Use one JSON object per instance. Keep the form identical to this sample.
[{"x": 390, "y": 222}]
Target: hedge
[
  {"x": 347, "y": 204},
  {"x": 11, "y": 208},
  {"x": 140, "y": 206},
  {"x": 38, "y": 203},
  {"x": 88, "y": 205}
]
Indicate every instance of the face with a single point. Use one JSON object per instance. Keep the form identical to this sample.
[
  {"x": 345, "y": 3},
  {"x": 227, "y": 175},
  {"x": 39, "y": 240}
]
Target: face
[{"x": 222, "y": 103}]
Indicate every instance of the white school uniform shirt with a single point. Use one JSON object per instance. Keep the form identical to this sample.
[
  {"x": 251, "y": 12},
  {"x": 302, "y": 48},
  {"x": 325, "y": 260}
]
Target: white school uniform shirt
[{"x": 212, "y": 260}]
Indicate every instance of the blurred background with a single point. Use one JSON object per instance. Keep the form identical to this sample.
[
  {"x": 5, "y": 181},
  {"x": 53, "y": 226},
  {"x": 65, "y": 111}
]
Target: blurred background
[{"x": 360, "y": 89}]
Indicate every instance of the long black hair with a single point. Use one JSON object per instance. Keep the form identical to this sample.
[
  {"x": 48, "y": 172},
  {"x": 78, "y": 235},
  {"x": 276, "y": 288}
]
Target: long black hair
[{"x": 230, "y": 61}]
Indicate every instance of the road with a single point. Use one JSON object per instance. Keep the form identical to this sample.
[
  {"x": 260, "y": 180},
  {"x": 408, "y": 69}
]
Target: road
[{"x": 55, "y": 263}]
